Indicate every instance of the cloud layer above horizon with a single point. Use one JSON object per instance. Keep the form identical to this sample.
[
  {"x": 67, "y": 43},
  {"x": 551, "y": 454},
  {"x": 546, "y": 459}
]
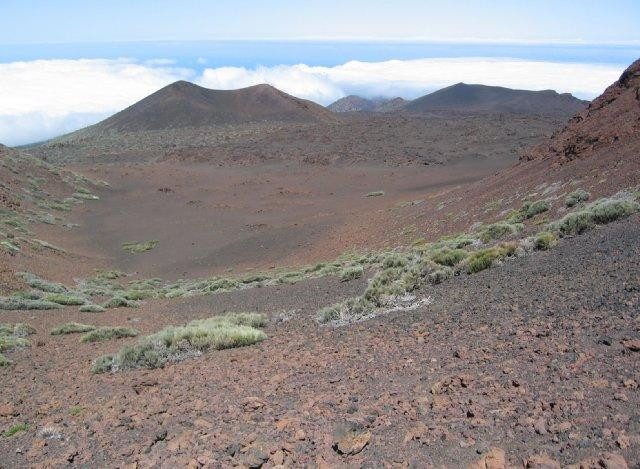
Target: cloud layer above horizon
[{"x": 45, "y": 98}]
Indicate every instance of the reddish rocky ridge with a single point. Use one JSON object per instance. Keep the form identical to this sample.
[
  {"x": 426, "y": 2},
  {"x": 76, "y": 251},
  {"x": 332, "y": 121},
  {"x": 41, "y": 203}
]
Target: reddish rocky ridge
[{"x": 611, "y": 123}]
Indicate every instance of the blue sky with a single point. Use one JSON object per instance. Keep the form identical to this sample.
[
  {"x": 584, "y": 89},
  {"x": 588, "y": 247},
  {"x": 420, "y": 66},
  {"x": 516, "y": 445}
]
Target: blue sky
[
  {"x": 46, "y": 21},
  {"x": 65, "y": 64}
]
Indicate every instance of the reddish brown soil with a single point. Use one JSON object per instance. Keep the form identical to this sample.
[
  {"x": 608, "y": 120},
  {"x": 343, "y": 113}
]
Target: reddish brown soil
[
  {"x": 535, "y": 356},
  {"x": 210, "y": 219}
]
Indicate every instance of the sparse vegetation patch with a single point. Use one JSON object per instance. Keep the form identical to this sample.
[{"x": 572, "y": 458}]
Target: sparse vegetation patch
[
  {"x": 15, "y": 429},
  {"x": 176, "y": 343},
  {"x": 72, "y": 328},
  {"x": 106, "y": 333},
  {"x": 65, "y": 299},
  {"x": 135, "y": 247},
  {"x": 576, "y": 197},
  {"x": 544, "y": 241}
]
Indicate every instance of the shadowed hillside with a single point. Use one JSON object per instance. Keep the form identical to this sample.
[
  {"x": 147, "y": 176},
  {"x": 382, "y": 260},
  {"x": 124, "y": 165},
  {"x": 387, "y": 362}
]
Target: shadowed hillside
[{"x": 480, "y": 98}]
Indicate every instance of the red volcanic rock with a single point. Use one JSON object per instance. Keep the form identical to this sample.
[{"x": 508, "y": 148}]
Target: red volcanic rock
[{"x": 610, "y": 123}]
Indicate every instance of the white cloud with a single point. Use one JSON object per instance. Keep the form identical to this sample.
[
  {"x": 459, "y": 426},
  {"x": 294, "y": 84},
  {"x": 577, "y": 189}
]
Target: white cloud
[
  {"x": 412, "y": 78},
  {"x": 44, "y": 98},
  {"x": 153, "y": 62}
]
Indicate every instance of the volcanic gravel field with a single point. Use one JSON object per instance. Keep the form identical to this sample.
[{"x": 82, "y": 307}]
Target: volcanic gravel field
[{"x": 536, "y": 356}]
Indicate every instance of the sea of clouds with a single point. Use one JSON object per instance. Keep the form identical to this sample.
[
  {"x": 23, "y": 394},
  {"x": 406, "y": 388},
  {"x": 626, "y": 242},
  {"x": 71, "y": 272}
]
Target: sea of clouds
[{"x": 45, "y": 98}]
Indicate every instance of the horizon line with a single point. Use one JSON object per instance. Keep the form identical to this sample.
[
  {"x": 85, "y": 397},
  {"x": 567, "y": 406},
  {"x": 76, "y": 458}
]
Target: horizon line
[{"x": 356, "y": 39}]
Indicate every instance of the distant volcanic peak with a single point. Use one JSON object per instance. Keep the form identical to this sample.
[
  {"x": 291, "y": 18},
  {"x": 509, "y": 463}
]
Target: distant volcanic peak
[
  {"x": 353, "y": 103},
  {"x": 463, "y": 97},
  {"x": 184, "y": 104},
  {"x": 612, "y": 119}
]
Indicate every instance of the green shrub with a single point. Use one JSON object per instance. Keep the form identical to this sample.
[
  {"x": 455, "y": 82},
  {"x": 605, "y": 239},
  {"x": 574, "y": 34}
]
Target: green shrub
[
  {"x": 111, "y": 274},
  {"x": 351, "y": 273},
  {"x": 456, "y": 241},
  {"x": 80, "y": 195},
  {"x": 176, "y": 343},
  {"x": 394, "y": 259},
  {"x": 39, "y": 284},
  {"x": 544, "y": 241},
  {"x": 533, "y": 209},
  {"x": 138, "y": 294},
  {"x": 119, "y": 302},
  {"x": 329, "y": 313},
  {"x": 480, "y": 260},
  {"x": 440, "y": 275},
  {"x": 72, "y": 328},
  {"x": 574, "y": 223},
  {"x": 135, "y": 247},
  {"x": 497, "y": 231},
  {"x": 599, "y": 212},
  {"x": 16, "y": 303},
  {"x": 528, "y": 210},
  {"x": 65, "y": 299},
  {"x": 103, "y": 364},
  {"x": 17, "y": 330},
  {"x": 9, "y": 342},
  {"x": 606, "y": 211},
  {"x": 576, "y": 197},
  {"x": 20, "y": 427},
  {"x": 4, "y": 361},
  {"x": 9, "y": 246},
  {"x": 106, "y": 333},
  {"x": 290, "y": 278},
  {"x": 449, "y": 257},
  {"x": 484, "y": 258},
  {"x": 91, "y": 308}
]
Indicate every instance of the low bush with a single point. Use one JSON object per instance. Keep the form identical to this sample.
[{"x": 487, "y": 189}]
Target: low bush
[
  {"x": 375, "y": 194},
  {"x": 544, "y": 240},
  {"x": 576, "y": 197},
  {"x": 20, "y": 427},
  {"x": 351, "y": 273},
  {"x": 135, "y": 247},
  {"x": 106, "y": 333},
  {"x": 9, "y": 342},
  {"x": 176, "y": 343},
  {"x": 135, "y": 295},
  {"x": 17, "y": 303},
  {"x": 528, "y": 210},
  {"x": 449, "y": 257},
  {"x": 119, "y": 302},
  {"x": 72, "y": 328},
  {"x": 40, "y": 284},
  {"x": 17, "y": 330},
  {"x": 65, "y": 299},
  {"x": 440, "y": 275},
  {"x": 498, "y": 231},
  {"x": 600, "y": 212},
  {"x": 484, "y": 258},
  {"x": 4, "y": 361}
]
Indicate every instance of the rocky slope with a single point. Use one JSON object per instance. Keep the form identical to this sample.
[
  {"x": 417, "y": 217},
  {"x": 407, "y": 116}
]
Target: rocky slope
[{"x": 611, "y": 123}]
